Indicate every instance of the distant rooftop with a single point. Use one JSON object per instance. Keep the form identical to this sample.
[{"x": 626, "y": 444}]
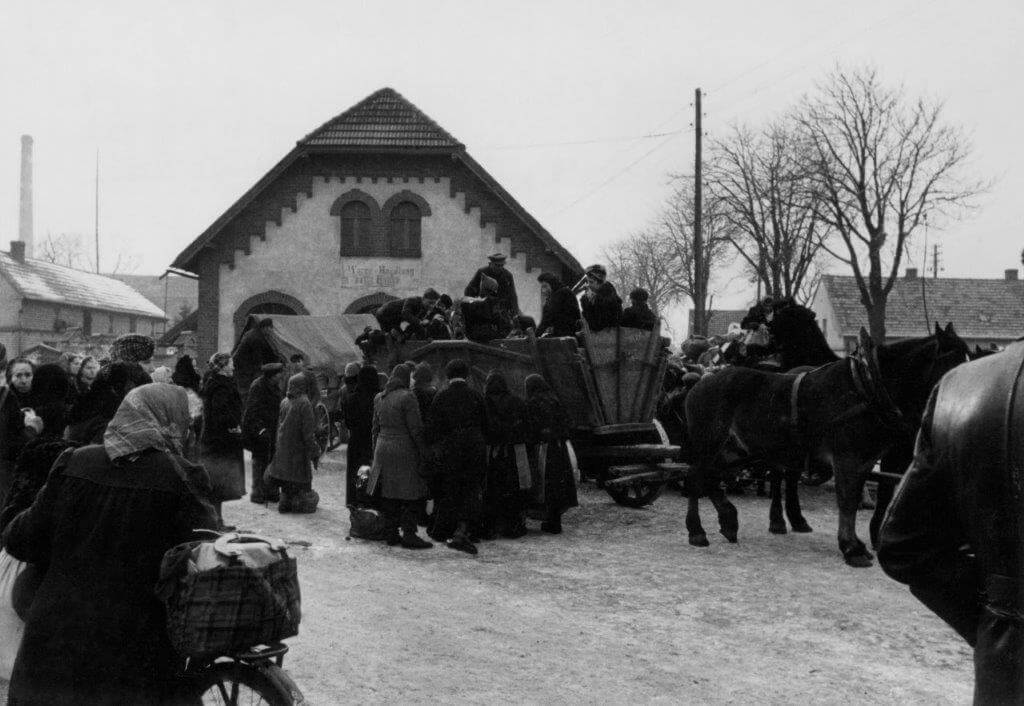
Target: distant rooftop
[{"x": 45, "y": 282}]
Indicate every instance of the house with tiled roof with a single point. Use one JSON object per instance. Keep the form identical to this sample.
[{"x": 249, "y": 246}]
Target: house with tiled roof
[
  {"x": 378, "y": 202},
  {"x": 984, "y": 312},
  {"x": 720, "y": 320},
  {"x": 44, "y": 303}
]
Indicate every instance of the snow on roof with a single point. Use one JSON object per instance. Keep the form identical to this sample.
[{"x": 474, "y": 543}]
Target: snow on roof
[{"x": 43, "y": 281}]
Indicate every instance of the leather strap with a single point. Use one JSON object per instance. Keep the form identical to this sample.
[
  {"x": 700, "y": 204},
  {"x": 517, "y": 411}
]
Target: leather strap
[{"x": 794, "y": 402}]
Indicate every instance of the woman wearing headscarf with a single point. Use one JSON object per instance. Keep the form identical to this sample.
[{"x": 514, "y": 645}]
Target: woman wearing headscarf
[
  {"x": 96, "y": 632},
  {"x": 359, "y": 421},
  {"x": 19, "y": 423},
  {"x": 296, "y": 449},
  {"x": 88, "y": 417},
  {"x": 86, "y": 375},
  {"x": 220, "y": 450},
  {"x": 398, "y": 453},
  {"x": 185, "y": 374},
  {"x": 547, "y": 430},
  {"x": 506, "y": 429}
]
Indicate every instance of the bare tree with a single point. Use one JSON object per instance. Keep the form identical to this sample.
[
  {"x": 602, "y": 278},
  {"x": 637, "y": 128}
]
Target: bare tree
[
  {"x": 767, "y": 194},
  {"x": 68, "y": 250},
  {"x": 646, "y": 259},
  {"x": 882, "y": 162}
]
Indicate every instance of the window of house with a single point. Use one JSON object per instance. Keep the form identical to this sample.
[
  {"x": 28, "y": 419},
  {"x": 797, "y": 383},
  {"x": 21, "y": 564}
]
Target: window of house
[
  {"x": 404, "y": 233},
  {"x": 357, "y": 230},
  {"x": 87, "y": 323},
  {"x": 133, "y": 324}
]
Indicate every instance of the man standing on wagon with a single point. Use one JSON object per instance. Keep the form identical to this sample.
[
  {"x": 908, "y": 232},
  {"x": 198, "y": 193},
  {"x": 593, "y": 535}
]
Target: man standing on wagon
[{"x": 506, "y": 284}]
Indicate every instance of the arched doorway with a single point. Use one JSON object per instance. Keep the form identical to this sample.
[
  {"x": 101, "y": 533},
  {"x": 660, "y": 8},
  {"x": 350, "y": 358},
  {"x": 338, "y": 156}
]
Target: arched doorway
[
  {"x": 270, "y": 302},
  {"x": 369, "y": 304}
]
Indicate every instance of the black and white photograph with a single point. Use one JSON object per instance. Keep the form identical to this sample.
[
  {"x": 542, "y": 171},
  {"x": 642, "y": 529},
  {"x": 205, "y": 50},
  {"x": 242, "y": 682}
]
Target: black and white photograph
[{"x": 552, "y": 352}]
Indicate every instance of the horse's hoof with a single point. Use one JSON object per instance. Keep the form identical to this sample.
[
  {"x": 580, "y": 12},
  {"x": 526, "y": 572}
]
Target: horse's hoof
[
  {"x": 777, "y": 528},
  {"x": 802, "y": 527},
  {"x": 859, "y": 561},
  {"x": 730, "y": 535},
  {"x": 699, "y": 540}
]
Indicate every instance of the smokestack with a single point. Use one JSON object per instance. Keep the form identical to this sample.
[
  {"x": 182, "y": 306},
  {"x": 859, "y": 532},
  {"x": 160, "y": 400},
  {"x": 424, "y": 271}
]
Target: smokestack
[{"x": 25, "y": 214}]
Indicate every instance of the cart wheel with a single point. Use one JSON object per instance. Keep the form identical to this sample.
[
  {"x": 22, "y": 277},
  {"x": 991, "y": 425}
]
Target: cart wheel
[
  {"x": 323, "y": 427},
  {"x": 636, "y": 494}
]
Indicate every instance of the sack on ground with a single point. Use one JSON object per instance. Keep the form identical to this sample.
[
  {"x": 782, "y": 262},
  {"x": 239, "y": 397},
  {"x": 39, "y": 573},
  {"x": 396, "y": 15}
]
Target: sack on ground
[
  {"x": 366, "y": 523},
  {"x": 229, "y": 595}
]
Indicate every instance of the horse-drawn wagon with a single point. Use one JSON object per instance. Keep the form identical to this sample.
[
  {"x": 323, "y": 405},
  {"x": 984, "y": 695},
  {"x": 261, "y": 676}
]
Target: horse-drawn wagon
[{"x": 609, "y": 385}]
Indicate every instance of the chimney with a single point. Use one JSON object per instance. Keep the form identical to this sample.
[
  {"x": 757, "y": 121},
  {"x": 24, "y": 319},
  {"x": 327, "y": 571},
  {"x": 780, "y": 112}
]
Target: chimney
[
  {"x": 1010, "y": 275},
  {"x": 18, "y": 250},
  {"x": 911, "y": 273},
  {"x": 25, "y": 214}
]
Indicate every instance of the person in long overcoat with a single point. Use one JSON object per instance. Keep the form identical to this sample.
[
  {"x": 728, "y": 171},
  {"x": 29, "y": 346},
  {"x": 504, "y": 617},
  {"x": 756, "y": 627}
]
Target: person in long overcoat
[
  {"x": 398, "y": 453},
  {"x": 17, "y": 425},
  {"x": 506, "y": 430},
  {"x": 220, "y": 450},
  {"x": 456, "y": 423},
  {"x": 259, "y": 428},
  {"x": 359, "y": 421},
  {"x": 602, "y": 307},
  {"x": 954, "y": 532},
  {"x": 296, "y": 449},
  {"x": 560, "y": 315},
  {"x": 254, "y": 350},
  {"x": 548, "y": 430},
  {"x": 96, "y": 633},
  {"x": 505, "y": 285}
]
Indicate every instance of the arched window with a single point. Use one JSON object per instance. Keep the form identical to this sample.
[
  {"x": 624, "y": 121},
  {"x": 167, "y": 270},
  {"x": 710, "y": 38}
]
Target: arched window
[
  {"x": 404, "y": 233},
  {"x": 357, "y": 229}
]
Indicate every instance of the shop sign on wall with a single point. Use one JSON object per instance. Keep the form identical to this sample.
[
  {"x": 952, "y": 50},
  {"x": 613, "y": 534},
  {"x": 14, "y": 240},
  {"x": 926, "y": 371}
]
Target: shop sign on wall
[{"x": 381, "y": 274}]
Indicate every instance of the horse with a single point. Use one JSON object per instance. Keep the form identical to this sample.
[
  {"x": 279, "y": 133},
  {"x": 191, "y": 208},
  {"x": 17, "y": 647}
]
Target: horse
[{"x": 841, "y": 416}]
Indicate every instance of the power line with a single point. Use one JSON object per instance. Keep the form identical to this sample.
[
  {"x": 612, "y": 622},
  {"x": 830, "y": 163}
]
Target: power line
[{"x": 571, "y": 143}]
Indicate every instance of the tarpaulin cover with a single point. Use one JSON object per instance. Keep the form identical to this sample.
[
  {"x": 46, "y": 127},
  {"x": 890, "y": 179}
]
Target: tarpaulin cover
[{"x": 327, "y": 342}]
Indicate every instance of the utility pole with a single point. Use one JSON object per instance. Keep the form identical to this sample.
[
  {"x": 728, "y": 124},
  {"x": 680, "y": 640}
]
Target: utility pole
[
  {"x": 935, "y": 261},
  {"x": 97, "y": 210},
  {"x": 699, "y": 284}
]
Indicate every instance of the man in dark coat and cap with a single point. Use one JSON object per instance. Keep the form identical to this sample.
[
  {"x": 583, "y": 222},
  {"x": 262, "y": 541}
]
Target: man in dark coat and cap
[
  {"x": 253, "y": 351},
  {"x": 639, "y": 314},
  {"x": 259, "y": 428},
  {"x": 954, "y": 532},
  {"x": 406, "y": 316},
  {"x": 560, "y": 315},
  {"x": 506, "y": 290}
]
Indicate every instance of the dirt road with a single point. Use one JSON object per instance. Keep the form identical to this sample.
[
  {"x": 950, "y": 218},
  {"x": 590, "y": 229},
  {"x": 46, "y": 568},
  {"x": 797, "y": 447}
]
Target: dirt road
[{"x": 618, "y": 609}]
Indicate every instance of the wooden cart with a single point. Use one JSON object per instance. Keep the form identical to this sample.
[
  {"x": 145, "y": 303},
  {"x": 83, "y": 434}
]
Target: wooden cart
[{"x": 610, "y": 386}]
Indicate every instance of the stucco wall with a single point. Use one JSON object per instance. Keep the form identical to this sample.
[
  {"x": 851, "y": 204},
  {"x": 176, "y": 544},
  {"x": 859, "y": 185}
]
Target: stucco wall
[
  {"x": 826, "y": 317},
  {"x": 301, "y": 256}
]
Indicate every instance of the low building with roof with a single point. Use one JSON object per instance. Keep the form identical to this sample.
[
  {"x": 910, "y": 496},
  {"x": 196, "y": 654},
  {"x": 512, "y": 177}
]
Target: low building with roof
[
  {"x": 720, "y": 320},
  {"x": 377, "y": 203},
  {"x": 984, "y": 312},
  {"x": 44, "y": 303}
]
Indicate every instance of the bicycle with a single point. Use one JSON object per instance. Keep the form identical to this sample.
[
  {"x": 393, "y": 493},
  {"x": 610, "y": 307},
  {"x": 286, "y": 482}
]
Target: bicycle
[{"x": 256, "y": 676}]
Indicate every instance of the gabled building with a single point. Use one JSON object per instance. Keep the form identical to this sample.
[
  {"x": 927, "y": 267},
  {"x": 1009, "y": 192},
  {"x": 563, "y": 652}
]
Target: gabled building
[
  {"x": 377, "y": 203},
  {"x": 44, "y": 303},
  {"x": 983, "y": 311}
]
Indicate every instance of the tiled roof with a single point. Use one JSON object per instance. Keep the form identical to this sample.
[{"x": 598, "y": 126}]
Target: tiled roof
[
  {"x": 978, "y": 308},
  {"x": 46, "y": 282},
  {"x": 179, "y": 290},
  {"x": 384, "y": 119},
  {"x": 720, "y": 320}
]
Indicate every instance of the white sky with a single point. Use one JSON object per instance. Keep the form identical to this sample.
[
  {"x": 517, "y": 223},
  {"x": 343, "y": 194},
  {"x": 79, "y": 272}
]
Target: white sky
[{"x": 190, "y": 103}]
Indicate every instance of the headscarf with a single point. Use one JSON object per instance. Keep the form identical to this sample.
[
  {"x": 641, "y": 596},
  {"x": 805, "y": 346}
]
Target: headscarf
[
  {"x": 399, "y": 380},
  {"x": 185, "y": 373},
  {"x": 162, "y": 374},
  {"x": 218, "y": 361},
  {"x": 423, "y": 375},
  {"x": 78, "y": 376},
  {"x": 132, "y": 348},
  {"x": 297, "y": 386},
  {"x": 153, "y": 416}
]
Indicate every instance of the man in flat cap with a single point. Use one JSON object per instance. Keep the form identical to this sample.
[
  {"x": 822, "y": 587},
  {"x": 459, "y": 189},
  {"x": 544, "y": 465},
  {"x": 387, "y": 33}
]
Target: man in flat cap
[
  {"x": 506, "y": 290},
  {"x": 259, "y": 428}
]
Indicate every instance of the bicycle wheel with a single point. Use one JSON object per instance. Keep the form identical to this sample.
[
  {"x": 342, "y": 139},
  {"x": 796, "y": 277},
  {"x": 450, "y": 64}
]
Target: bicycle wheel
[{"x": 237, "y": 684}]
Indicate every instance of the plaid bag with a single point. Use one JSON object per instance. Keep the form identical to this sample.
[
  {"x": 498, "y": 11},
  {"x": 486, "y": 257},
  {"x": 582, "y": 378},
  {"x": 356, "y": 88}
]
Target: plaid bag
[{"x": 250, "y": 598}]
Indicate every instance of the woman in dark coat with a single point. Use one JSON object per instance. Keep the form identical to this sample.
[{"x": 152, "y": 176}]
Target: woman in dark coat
[
  {"x": 359, "y": 420},
  {"x": 185, "y": 374},
  {"x": 561, "y": 313},
  {"x": 506, "y": 429},
  {"x": 17, "y": 427},
  {"x": 86, "y": 375},
  {"x": 296, "y": 449},
  {"x": 639, "y": 313},
  {"x": 398, "y": 453},
  {"x": 88, "y": 417},
  {"x": 602, "y": 308},
  {"x": 220, "y": 450},
  {"x": 96, "y": 632},
  {"x": 547, "y": 430},
  {"x": 259, "y": 428}
]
